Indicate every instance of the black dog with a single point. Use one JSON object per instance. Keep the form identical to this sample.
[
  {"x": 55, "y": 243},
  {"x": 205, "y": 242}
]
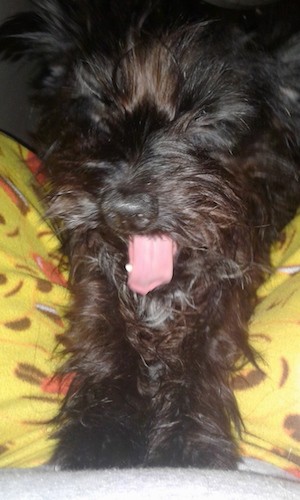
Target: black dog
[{"x": 172, "y": 144}]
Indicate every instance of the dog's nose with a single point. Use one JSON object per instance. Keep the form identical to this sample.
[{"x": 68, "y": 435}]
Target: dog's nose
[{"x": 129, "y": 212}]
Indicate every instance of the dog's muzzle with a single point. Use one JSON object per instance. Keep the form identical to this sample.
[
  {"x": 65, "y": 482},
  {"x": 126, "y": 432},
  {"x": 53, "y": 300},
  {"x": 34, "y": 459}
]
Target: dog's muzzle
[{"x": 150, "y": 256}]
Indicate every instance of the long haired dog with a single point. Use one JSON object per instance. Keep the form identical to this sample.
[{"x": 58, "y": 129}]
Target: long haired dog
[{"x": 173, "y": 150}]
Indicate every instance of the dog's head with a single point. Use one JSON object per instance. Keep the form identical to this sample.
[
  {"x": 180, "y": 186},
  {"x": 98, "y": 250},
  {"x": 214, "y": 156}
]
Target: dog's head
[{"x": 146, "y": 134}]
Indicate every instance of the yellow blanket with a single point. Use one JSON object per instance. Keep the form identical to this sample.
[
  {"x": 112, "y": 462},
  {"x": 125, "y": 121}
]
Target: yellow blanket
[{"x": 33, "y": 299}]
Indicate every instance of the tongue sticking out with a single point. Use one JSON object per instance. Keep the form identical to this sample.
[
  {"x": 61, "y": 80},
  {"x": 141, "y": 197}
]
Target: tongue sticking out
[{"x": 150, "y": 262}]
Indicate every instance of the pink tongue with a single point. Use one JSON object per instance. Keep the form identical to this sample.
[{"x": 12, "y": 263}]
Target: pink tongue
[{"x": 151, "y": 262}]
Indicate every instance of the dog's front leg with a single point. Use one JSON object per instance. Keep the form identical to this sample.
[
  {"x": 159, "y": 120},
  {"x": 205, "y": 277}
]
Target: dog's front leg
[
  {"x": 99, "y": 422},
  {"x": 104, "y": 434},
  {"x": 193, "y": 409}
]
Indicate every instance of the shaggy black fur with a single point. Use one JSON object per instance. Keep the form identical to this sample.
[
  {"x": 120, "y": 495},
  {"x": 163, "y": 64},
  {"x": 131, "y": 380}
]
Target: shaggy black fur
[{"x": 161, "y": 120}]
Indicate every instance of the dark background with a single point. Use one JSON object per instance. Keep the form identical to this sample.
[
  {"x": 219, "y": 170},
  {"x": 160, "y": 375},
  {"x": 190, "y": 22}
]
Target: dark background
[{"x": 16, "y": 116}]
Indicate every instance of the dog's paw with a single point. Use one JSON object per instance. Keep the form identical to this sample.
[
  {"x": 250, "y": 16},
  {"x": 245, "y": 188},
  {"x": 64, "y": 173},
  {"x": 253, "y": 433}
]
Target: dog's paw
[
  {"x": 97, "y": 448},
  {"x": 217, "y": 454}
]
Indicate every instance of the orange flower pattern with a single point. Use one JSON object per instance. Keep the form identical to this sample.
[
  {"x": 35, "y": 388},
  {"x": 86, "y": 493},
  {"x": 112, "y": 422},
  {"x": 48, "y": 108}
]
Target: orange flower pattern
[
  {"x": 34, "y": 296},
  {"x": 269, "y": 397}
]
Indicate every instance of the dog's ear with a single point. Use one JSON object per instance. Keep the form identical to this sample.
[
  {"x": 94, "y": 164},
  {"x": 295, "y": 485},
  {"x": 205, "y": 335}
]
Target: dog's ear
[
  {"x": 57, "y": 33},
  {"x": 45, "y": 37},
  {"x": 35, "y": 34},
  {"x": 288, "y": 105},
  {"x": 17, "y": 35}
]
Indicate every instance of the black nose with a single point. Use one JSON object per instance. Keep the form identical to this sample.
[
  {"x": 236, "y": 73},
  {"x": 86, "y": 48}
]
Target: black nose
[{"x": 129, "y": 212}]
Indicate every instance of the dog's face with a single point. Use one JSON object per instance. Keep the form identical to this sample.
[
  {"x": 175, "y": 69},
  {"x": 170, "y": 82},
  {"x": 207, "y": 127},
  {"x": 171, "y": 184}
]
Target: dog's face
[
  {"x": 154, "y": 124},
  {"x": 144, "y": 134}
]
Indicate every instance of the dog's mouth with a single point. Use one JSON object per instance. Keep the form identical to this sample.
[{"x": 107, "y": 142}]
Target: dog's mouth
[{"x": 151, "y": 262}]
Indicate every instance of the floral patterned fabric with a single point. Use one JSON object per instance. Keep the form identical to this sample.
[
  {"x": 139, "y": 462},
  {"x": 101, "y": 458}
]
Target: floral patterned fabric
[{"x": 34, "y": 297}]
